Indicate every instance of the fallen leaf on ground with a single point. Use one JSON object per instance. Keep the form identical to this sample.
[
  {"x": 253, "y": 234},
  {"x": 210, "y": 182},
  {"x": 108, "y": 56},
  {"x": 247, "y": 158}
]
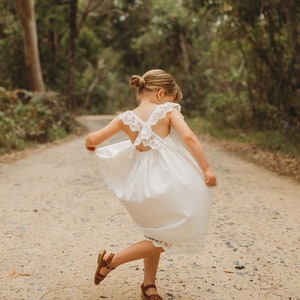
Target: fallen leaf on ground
[{"x": 13, "y": 273}]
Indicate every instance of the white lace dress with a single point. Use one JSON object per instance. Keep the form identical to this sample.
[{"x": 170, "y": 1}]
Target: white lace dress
[{"x": 162, "y": 188}]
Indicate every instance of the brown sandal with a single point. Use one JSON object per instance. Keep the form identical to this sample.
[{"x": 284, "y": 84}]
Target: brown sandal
[
  {"x": 149, "y": 297},
  {"x": 102, "y": 264}
]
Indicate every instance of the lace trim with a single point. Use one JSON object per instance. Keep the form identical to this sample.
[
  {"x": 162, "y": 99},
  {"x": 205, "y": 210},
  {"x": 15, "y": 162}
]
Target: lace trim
[
  {"x": 146, "y": 135},
  {"x": 161, "y": 111},
  {"x": 158, "y": 243},
  {"x": 148, "y": 138},
  {"x": 130, "y": 119}
]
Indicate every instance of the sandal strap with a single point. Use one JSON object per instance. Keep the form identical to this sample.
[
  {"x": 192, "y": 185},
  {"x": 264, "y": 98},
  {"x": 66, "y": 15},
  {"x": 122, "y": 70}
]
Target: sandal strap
[
  {"x": 106, "y": 263},
  {"x": 154, "y": 297},
  {"x": 149, "y": 286},
  {"x": 150, "y": 297}
]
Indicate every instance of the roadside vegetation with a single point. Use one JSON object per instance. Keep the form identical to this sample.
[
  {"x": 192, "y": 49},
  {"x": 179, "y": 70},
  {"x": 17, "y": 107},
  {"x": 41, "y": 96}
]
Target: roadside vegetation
[
  {"x": 28, "y": 118},
  {"x": 238, "y": 63}
]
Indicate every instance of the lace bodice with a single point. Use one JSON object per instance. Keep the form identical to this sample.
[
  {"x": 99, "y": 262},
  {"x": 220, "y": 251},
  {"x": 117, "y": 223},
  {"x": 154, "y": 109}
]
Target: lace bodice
[{"x": 146, "y": 135}]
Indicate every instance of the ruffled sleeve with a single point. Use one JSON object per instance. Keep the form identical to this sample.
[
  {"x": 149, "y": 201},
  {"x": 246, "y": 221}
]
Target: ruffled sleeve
[
  {"x": 161, "y": 111},
  {"x": 128, "y": 118}
]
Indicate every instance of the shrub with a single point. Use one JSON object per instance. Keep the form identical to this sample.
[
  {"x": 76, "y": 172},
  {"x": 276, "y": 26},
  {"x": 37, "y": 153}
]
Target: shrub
[{"x": 28, "y": 117}]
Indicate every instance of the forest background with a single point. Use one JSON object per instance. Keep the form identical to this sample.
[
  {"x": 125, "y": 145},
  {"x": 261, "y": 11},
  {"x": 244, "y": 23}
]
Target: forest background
[{"x": 237, "y": 62}]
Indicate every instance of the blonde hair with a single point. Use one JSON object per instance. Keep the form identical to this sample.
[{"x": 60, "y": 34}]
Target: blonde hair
[{"x": 154, "y": 80}]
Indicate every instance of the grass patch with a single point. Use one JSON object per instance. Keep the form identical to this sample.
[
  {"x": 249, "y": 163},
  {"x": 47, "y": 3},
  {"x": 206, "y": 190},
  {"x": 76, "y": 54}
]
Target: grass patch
[{"x": 269, "y": 140}]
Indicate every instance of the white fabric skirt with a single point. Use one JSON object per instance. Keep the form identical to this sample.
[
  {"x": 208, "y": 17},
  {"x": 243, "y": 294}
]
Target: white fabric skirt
[{"x": 163, "y": 191}]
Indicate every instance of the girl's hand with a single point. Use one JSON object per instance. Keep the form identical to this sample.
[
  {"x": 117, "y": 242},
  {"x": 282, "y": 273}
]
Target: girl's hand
[
  {"x": 89, "y": 148},
  {"x": 210, "y": 178}
]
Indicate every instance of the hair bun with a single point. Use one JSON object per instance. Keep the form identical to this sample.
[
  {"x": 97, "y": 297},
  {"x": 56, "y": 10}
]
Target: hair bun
[{"x": 137, "y": 82}]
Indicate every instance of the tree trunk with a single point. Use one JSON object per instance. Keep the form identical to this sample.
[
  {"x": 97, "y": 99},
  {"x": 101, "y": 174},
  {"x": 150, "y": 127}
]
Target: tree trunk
[
  {"x": 72, "y": 53},
  {"x": 292, "y": 24},
  {"x": 25, "y": 9},
  {"x": 90, "y": 90},
  {"x": 185, "y": 55},
  {"x": 100, "y": 66}
]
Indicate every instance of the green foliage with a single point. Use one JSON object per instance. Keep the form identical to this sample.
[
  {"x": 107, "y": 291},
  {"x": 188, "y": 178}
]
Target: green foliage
[
  {"x": 89, "y": 45},
  {"x": 274, "y": 140},
  {"x": 28, "y": 117},
  {"x": 12, "y": 59},
  {"x": 238, "y": 62}
]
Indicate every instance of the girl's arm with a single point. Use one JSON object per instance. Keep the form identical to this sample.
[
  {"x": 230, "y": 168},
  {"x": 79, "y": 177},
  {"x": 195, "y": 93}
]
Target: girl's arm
[
  {"x": 193, "y": 145},
  {"x": 96, "y": 138}
]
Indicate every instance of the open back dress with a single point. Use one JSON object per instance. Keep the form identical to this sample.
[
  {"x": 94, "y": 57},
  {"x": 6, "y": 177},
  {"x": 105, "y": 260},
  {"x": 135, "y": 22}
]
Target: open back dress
[{"x": 162, "y": 188}]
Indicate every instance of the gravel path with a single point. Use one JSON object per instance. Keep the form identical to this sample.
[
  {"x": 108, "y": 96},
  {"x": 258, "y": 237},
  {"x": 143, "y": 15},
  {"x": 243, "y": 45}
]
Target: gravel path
[{"x": 56, "y": 213}]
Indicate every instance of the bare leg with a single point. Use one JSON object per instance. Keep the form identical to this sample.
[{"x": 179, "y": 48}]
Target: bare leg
[
  {"x": 150, "y": 270},
  {"x": 143, "y": 249}
]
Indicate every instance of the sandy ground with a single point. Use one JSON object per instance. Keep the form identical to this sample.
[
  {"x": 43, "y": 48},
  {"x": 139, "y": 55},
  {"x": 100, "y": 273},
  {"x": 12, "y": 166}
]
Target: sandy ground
[{"x": 56, "y": 213}]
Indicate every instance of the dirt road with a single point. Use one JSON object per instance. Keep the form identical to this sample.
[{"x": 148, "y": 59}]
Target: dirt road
[{"x": 56, "y": 213}]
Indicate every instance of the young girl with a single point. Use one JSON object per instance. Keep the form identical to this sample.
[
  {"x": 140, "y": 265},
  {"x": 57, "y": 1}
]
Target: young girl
[{"x": 160, "y": 174}]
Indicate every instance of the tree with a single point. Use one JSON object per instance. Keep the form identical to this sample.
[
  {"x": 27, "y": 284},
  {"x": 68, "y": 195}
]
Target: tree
[
  {"x": 72, "y": 52},
  {"x": 79, "y": 12},
  {"x": 25, "y": 9}
]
